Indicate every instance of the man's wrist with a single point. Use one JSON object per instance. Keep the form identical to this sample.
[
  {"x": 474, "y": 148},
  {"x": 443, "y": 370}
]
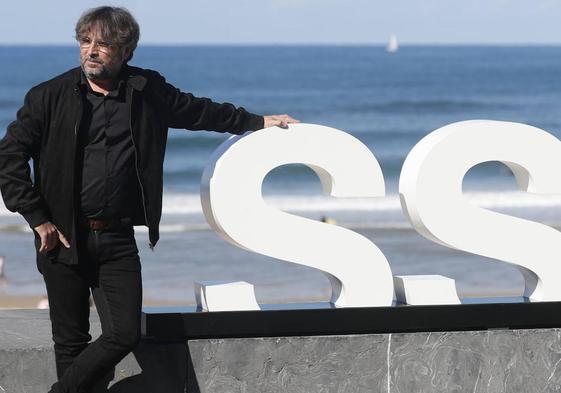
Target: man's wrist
[
  {"x": 35, "y": 217},
  {"x": 255, "y": 122}
]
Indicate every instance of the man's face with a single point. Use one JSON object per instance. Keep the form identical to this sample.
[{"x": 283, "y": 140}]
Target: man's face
[{"x": 100, "y": 59}]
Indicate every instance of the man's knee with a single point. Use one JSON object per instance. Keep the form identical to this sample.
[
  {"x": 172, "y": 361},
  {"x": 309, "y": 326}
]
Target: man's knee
[
  {"x": 70, "y": 347},
  {"x": 125, "y": 341},
  {"x": 130, "y": 341}
]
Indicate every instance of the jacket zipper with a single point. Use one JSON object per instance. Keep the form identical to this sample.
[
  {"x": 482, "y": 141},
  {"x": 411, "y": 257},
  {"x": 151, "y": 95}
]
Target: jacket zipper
[
  {"x": 136, "y": 167},
  {"x": 76, "y": 126}
]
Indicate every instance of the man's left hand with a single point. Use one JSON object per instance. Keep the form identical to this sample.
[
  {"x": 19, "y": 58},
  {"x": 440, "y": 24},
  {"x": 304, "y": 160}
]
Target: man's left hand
[{"x": 278, "y": 120}]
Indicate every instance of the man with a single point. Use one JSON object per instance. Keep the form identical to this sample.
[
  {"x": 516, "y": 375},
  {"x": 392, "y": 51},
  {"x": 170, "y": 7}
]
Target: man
[{"x": 97, "y": 136}]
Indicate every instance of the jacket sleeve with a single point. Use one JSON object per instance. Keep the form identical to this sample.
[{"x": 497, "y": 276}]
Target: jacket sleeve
[
  {"x": 22, "y": 142},
  {"x": 199, "y": 113}
]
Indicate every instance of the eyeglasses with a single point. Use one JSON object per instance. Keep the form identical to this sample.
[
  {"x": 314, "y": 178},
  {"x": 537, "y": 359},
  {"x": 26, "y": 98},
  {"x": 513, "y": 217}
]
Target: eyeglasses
[{"x": 102, "y": 46}]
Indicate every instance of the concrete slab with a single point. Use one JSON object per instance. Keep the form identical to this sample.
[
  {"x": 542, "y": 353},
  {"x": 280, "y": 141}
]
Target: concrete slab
[
  {"x": 27, "y": 358},
  {"x": 489, "y": 361}
]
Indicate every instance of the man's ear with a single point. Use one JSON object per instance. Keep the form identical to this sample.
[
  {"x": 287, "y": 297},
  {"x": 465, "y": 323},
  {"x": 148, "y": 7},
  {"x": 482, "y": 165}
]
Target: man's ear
[{"x": 126, "y": 54}]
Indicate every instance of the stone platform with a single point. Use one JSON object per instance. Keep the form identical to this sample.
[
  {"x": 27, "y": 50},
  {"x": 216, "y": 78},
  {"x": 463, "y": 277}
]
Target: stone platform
[
  {"x": 27, "y": 362},
  {"x": 523, "y": 360},
  {"x": 495, "y": 361}
]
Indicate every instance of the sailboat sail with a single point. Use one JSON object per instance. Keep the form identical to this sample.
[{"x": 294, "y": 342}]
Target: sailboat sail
[{"x": 393, "y": 46}]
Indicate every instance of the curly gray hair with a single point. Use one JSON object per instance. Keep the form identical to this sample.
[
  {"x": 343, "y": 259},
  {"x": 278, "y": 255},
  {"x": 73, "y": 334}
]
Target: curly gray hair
[{"x": 115, "y": 24}]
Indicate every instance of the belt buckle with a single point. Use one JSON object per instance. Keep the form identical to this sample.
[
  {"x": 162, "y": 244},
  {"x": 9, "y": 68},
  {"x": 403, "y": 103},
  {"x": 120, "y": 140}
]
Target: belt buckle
[{"x": 96, "y": 224}]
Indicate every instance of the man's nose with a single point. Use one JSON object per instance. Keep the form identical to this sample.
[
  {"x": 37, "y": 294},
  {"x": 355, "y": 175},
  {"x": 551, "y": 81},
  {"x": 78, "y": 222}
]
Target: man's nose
[{"x": 92, "y": 51}]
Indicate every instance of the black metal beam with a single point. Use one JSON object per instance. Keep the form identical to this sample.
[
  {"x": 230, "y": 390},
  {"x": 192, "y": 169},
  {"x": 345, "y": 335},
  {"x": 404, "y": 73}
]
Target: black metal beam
[{"x": 320, "y": 319}]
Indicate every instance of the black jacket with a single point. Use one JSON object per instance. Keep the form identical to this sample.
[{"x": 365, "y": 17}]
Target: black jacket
[{"x": 46, "y": 129}]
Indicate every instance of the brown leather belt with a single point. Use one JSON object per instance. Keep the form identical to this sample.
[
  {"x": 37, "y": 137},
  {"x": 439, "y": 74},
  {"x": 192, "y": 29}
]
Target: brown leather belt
[{"x": 100, "y": 224}]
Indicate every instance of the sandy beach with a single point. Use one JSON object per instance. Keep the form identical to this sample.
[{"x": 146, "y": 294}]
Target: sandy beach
[
  {"x": 11, "y": 302},
  {"x": 18, "y": 302}
]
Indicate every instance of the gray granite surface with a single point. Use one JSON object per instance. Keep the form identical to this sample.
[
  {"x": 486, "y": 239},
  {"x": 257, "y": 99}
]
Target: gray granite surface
[
  {"x": 291, "y": 364},
  {"x": 494, "y": 361}
]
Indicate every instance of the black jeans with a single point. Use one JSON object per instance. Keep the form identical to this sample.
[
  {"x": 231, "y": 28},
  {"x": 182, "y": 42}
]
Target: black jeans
[{"x": 109, "y": 266}]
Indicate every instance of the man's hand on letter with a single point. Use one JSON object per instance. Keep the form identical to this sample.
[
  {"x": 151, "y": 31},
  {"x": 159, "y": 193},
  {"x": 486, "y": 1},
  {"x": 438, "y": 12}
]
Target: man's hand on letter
[
  {"x": 50, "y": 236},
  {"x": 278, "y": 120}
]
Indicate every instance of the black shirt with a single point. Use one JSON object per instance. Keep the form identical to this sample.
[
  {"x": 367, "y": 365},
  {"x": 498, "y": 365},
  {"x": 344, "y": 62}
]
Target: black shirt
[{"x": 109, "y": 187}]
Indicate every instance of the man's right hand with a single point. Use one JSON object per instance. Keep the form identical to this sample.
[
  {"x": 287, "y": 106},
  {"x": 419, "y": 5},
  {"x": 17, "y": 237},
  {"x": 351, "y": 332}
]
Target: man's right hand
[{"x": 50, "y": 236}]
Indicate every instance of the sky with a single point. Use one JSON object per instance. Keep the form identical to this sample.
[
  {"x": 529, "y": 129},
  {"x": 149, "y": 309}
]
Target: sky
[{"x": 298, "y": 21}]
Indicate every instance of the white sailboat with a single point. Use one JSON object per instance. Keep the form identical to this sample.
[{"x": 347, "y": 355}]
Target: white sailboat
[{"x": 393, "y": 45}]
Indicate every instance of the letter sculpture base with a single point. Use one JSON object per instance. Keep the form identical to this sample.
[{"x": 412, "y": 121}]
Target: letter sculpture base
[{"x": 491, "y": 347}]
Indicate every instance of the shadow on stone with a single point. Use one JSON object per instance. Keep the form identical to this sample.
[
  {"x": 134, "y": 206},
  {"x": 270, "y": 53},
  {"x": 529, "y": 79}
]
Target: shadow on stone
[
  {"x": 157, "y": 367},
  {"x": 192, "y": 383}
]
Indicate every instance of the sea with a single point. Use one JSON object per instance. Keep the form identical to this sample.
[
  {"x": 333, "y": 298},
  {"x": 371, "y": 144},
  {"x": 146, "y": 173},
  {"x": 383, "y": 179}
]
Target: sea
[{"x": 388, "y": 101}]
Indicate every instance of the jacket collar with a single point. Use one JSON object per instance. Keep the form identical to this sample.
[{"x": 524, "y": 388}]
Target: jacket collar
[
  {"x": 133, "y": 78},
  {"x": 129, "y": 74}
]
